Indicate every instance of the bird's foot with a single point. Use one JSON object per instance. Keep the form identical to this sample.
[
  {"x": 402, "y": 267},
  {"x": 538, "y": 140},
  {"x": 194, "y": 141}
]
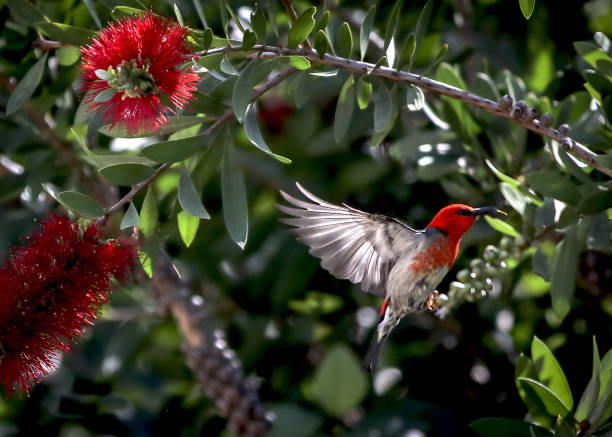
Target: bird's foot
[{"x": 435, "y": 301}]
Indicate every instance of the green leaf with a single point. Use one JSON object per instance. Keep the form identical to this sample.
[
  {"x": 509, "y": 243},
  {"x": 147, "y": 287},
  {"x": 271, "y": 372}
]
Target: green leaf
[
  {"x": 383, "y": 107},
  {"x": 316, "y": 303},
  {"x": 503, "y": 427},
  {"x": 606, "y": 373},
  {"x": 339, "y": 384},
  {"x": 130, "y": 219},
  {"x": 344, "y": 109},
  {"x": 421, "y": 27},
  {"x": 501, "y": 176},
  {"x": 564, "y": 271},
  {"x": 126, "y": 174},
  {"x": 550, "y": 372},
  {"x": 554, "y": 406},
  {"x": 415, "y": 99},
  {"x": 525, "y": 368},
  {"x": 243, "y": 90},
  {"x": 188, "y": 226},
  {"x": 322, "y": 23},
  {"x": 589, "y": 397},
  {"x": 562, "y": 429},
  {"x": 148, "y": 214},
  {"x": 27, "y": 86},
  {"x": 527, "y": 7},
  {"x": 365, "y": 30},
  {"x": 64, "y": 33},
  {"x": 251, "y": 128},
  {"x": 299, "y": 62},
  {"x": 321, "y": 44},
  {"x": 501, "y": 226},
  {"x": 67, "y": 56},
  {"x": 174, "y": 150},
  {"x": 259, "y": 23},
  {"x": 175, "y": 123},
  {"x": 302, "y": 27},
  {"x": 346, "y": 41},
  {"x": 26, "y": 12},
  {"x": 407, "y": 49},
  {"x": 207, "y": 38},
  {"x": 441, "y": 53},
  {"x": 485, "y": 87},
  {"x": 80, "y": 203},
  {"x": 188, "y": 197},
  {"x": 378, "y": 137},
  {"x": 591, "y": 52},
  {"x": 605, "y": 160},
  {"x": 119, "y": 12},
  {"x": 391, "y": 24},
  {"x": 248, "y": 40},
  {"x": 554, "y": 184},
  {"x": 288, "y": 414},
  {"x": 364, "y": 91},
  {"x": 233, "y": 193},
  {"x": 105, "y": 95}
]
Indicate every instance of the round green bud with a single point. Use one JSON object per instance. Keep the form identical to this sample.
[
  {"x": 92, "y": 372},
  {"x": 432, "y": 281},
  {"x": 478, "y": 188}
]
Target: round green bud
[
  {"x": 492, "y": 271},
  {"x": 490, "y": 253},
  {"x": 463, "y": 275},
  {"x": 506, "y": 243},
  {"x": 504, "y": 254},
  {"x": 477, "y": 263},
  {"x": 479, "y": 285},
  {"x": 488, "y": 284}
]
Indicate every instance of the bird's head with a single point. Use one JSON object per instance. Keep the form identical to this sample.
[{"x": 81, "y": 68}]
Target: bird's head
[{"x": 456, "y": 219}]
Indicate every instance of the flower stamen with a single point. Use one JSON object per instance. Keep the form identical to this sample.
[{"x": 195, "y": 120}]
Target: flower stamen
[{"x": 132, "y": 80}]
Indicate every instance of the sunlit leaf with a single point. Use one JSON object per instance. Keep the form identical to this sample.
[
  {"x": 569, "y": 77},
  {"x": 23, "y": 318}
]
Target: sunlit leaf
[
  {"x": 301, "y": 28},
  {"x": 527, "y": 7},
  {"x": 188, "y": 227}
]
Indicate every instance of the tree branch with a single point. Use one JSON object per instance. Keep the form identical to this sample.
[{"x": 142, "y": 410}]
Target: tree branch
[{"x": 518, "y": 113}]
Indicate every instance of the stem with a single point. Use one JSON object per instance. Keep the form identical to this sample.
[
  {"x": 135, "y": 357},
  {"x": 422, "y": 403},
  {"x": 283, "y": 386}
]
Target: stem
[{"x": 578, "y": 150}]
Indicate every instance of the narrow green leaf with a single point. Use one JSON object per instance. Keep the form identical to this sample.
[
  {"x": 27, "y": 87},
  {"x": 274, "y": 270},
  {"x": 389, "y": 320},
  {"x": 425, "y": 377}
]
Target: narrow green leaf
[
  {"x": 339, "y": 384},
  {"x": 105, "y": 95},
  {"x": 64, "y": 33},
  {"x": 550, "y": 372},
  {"x": 564, "y": 271},
  {"x": 148, "y": 214},
  {"x": 365, "y": 30},
  {"x": 302, "y": 28},
  {"x": 27, "y": 86},
  {"x": 26, "y": 12},
  {"x": 504, "y": 427},
  {"x": 346, "y": 41},
  {"x": 383, "y": 107},
  {"x": 606, "y": 374},
  {"x": 421, "y": 27},
  {"x": 130, "y": 219},
  {"x": 605, "y": 160},
  {"x": 67, "y": 55},
  {"x": 527, "y": 7},
  {"x": 174, "y": 150},
  {"x": 259, "y": 23},
  {"x": 551, "y": 401},
  {"x": 378, "y": 137},
  {"x": 188, "y": 197},
  {"x": 485, "y": 87},
  {"x": 321, "y": 44},
  {"x": 188, "y": 227},
  {"x": 441, "y": 53},
  {"x": 501, "y": 226},
  {"x": 126, "y": 174},
  {"x": 80, "y": 203},
  {"x": 177, "y": 14},
  {"x": 322, "y": 23},
  {"x": 233, "y": 15},
  {"x": 364, "y": 91},
  {"x": 535, "y": 407},
  {"x": 344, "y": 109},
  {"x": 207, "y": 38},
  {"x": 562, "y": 429},
  {"x": 588, "y": 400},
  {"x": 555, "y": 184},
  {"x": 248, "y": 40},
  {"x": 415, "y": 99},
  {"x": 591, "y": 53},
  {"x": 243, "y": 90},
  {"x": 251, "y": 128},
  {"x": 200, "y": 11},
  {"x": 119, "y": 12},
  {"x": 299, "y": 62},
  {"x": 391, "y": 24},
  {"x": 233, "y": 194},
  {"x": 501, "y": 176},
  {"x": 175, "y": 123}
]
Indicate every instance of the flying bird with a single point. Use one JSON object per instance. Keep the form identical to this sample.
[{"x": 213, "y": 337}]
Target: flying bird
[{"x": 383, "y": 254}]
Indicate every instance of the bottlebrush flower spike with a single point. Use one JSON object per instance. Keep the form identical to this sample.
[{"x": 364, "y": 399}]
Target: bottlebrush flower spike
[
  {"x": 50, "y": 288},
  {"x": 129, "y": 66}
]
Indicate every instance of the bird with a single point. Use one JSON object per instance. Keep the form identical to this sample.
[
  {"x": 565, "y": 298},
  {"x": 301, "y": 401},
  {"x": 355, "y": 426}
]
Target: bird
[{"x": 383, "y": 254}]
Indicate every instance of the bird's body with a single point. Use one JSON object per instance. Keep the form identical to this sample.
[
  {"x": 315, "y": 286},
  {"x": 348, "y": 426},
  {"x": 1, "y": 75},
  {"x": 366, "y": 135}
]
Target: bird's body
[{"x": 387, "y": 257}]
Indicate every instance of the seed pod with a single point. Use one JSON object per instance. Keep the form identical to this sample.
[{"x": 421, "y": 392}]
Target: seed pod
[
  {"x": 463, "y": 276},
  {"x": 505, "y": 103},
  {"x": 564, "y": 129},
  {"x": 477, "y": 263},
  {"x": 546, "y": 119},
  {"x": 490, "y": 253},
  {"x": 506, "y": 243}
]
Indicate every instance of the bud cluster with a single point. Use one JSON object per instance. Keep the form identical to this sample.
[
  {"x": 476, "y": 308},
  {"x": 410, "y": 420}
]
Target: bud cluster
[{"x": 478, "y": 280}]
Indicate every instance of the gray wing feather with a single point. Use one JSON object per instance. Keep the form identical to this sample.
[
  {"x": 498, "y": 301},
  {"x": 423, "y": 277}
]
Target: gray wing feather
[{"x": 351, "y": 244}]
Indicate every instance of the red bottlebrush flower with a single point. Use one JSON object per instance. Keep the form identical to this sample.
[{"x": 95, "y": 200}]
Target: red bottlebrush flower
[
  {"x": 273, "y": 112},
  {"x": 50, "y": 288},
  {"x": 128, "y": 67}
]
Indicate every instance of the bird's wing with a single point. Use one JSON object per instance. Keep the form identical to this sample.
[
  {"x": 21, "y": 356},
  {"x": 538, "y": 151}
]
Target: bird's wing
[{"x": 351, "y": 244}]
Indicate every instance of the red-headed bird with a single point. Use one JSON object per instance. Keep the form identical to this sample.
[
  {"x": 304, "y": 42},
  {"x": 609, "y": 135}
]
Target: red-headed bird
[{"x": 385, "y": 255}]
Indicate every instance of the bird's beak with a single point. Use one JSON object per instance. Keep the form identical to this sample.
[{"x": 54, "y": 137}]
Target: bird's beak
[{"x": 488, "y": 210}]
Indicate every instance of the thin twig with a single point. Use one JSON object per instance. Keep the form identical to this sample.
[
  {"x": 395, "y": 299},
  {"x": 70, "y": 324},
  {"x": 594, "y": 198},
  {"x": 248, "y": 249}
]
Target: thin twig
[{"x": 578, "y": 150}]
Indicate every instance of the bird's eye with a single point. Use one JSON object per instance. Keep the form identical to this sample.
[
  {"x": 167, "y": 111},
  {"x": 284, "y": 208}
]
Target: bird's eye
[{"x": 464, "y": 212}]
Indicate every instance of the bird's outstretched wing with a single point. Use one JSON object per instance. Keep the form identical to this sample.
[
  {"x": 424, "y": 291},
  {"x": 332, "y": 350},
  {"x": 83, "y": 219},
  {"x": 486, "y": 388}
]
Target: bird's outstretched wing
[{"x": 351, "y": 244}]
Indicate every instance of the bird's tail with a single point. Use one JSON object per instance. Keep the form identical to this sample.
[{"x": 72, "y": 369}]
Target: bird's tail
[{"x": 373, "y": 354}]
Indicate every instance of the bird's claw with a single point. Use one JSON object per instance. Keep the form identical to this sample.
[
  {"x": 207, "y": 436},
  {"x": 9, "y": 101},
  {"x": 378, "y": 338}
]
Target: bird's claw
[{"x": 435, "y": 301}]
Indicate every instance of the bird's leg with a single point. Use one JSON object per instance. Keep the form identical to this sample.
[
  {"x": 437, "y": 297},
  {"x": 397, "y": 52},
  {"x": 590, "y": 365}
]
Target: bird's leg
[{"x": 435, "y": 301}]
